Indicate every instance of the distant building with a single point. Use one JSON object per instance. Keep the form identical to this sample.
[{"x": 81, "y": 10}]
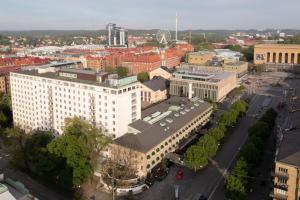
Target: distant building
[
  {"x": 4, "y": 78},
  {"x": 42, "y": 99},
  {"x": 287, "y": 54},
  {"x": 153, "y": 91},
  {"x": 116, "y": 36},
  {"x": 189, "y": 81},
  {"x": 227, "y": 55},
  {"x": 141, "y": 63},
  {"x": 162, "y": 130},
  {"x": 201, "y": 57}
]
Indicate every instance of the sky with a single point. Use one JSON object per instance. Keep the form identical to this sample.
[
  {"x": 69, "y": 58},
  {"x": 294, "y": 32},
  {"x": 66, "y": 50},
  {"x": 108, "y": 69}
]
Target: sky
[{"x": 148, "y": 14}]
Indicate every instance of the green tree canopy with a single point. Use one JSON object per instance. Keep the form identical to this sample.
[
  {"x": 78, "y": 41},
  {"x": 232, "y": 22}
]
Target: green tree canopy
[
  {"x": 234, "y": 48},
  {"x": 209, "y": 144},
  {"x": 76, "y": 153},
  {"x": 240, "y": 106},
  {"x": 228, "y": 118},
  {"x": 259, "y": 129},
  {"x": 241, "y": 170},
  {"x": 217, "y": 133},
  {"x": 250, "y": 153},
  {"x": 195, "y": 158},
  {"x": 234, "y": 188},
  {"x": 3, "y": 120},
  {"x": 143, "y": 76},
  {"x": 122, "y": 71}
]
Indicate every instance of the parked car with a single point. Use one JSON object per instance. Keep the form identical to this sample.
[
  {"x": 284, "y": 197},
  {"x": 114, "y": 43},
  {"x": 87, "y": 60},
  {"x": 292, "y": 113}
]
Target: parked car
[
  {"x": 160, "y": 173},
  {"x": 179, "y": 174}
]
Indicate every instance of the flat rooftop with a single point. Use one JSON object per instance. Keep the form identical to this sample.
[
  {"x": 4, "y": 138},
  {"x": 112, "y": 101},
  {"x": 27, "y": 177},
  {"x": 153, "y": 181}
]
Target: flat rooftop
[
  {"x": 54, "y": 75},
  {"x": 202, "y": 53},
  {"x": 160, "y": 122},
  {"x": 278, "y": 45},
  {"x": 199, "y": 74}
]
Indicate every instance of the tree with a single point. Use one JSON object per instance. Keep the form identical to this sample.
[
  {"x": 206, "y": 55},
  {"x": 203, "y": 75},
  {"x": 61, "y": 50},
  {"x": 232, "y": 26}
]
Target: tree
[
  {"x": 3, "y": 120},
  {"x": 234, "y": 48},
  {"x": 234, "y": 188},
  {"x": 39, "y": 160},
  {"x": 195, "y": 158},
  {"x": 248, "y": 53},
  {"x": 17, "y": 138},
  {"x": 119, "y": 166},
  {"x": 293, "y": 40},
  {"x": 259, "y": 129},
  {"x": 76, "y": 154},
  {"x": 217, "y": 133},
  {"x": 92, "y": 136},
  {"x": 5, "y": 111},
  {"x": 241, "y": 170},
  {"x": 240, "y": 106},
  {"x": 228, "y": 118},
  {"x": 209, "y": 144},
  {"x": 143, "y": 76},
  {"x": 122, "y": 71},
  {"x": 250, "y": 153},
  {"x": 81, "y": 146}
]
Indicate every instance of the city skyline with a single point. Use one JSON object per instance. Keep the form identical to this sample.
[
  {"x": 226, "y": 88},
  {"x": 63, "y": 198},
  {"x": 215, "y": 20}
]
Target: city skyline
[{"x": 132, "y": 14}]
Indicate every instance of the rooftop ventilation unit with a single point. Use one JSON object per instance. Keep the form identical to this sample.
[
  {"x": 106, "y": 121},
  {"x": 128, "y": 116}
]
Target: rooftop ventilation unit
[
  {"x": 146, "y": 119},
  {"x": 182, "y": 112},
  {"x": 155, "y": 114},
  {"x": 159, "y": 117},
  {"x": 176, "y": 115},
  {"x": 162, "y": 124},
  {"x": 169, "y": 120},
  {"x": 167, "y": 128}
]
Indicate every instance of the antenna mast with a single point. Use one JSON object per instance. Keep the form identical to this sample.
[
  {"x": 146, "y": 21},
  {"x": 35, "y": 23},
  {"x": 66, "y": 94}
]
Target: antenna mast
[{"x": 176, "y": 28}]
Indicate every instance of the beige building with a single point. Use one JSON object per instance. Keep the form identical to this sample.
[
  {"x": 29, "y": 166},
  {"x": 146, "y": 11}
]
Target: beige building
[
  {"x": 153, "y": 91},
  {"x": 287, "y": 168},
  {"x": 277, "y": 54},
  {"x": 160, "y": 131},
  {"x": 162, "y": 71},
  {"x": 201, "y": 57},
  {"x": 240, "y": 68},
  {"x": 190, "y": 81}
]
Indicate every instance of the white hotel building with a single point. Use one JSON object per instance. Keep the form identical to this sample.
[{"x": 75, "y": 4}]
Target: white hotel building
[{"x": 43, "y": 98}]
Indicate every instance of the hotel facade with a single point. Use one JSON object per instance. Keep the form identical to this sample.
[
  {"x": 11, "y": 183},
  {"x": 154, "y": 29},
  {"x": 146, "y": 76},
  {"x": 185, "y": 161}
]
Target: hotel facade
[{"x": 42, "y": 99}]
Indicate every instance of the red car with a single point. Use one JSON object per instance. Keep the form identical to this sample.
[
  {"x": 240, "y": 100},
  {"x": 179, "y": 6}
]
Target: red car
[{"x": 179, "y": 174}]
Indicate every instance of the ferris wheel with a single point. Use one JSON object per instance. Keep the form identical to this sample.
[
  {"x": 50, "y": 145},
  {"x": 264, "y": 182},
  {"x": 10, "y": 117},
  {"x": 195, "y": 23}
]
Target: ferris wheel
[{"x": 163, "y": 36}]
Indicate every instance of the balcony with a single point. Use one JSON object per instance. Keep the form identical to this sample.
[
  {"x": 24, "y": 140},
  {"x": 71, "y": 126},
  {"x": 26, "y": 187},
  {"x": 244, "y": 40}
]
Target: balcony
[
  {"x": 278, "y": 196},
  {"x": 281, "y": 186},
  {"x": 280, "y": 174}
]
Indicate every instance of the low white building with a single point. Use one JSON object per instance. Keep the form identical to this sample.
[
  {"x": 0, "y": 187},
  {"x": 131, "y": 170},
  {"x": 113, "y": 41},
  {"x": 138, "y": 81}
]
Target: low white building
[{"x": 42, "y": 99}]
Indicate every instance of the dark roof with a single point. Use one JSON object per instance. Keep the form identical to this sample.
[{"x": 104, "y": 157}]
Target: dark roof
[
  {"x": 169, "y": 70},
  {"x": 157, "y": 83},
  {"x": 289, "y": 151},
  {"x": 152, "y": 135}
]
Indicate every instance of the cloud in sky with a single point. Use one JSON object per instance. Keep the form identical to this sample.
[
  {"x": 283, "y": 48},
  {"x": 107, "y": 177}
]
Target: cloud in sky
[{"x": 144, "y": 14}]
